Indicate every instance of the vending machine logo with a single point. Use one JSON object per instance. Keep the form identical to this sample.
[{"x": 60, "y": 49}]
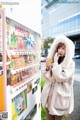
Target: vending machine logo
[
  {"x": 0, "y": 115},
  {"x": 0, "y": 16},
  {"x": 3, "y": 115}
]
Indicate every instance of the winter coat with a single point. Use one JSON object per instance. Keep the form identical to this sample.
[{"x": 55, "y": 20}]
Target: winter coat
[{"x": 57, "y": 94}]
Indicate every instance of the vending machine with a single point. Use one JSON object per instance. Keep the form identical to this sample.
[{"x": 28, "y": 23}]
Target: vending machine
[{"x": 19, "y": 71}]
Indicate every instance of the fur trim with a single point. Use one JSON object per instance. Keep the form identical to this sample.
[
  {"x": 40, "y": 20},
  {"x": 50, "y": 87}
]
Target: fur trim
[{"x": 70, "y": 48}]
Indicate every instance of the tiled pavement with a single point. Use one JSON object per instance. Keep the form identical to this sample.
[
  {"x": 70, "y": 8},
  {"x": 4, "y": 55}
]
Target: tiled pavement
[{"x": 76, "y": 113}]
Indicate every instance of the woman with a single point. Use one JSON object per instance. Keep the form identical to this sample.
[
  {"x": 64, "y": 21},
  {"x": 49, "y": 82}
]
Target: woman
[{"x": 57, "y": 95}]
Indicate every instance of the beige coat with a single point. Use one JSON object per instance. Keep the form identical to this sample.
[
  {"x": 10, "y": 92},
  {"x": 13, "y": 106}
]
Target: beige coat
[{"x": 57, "y": 94}]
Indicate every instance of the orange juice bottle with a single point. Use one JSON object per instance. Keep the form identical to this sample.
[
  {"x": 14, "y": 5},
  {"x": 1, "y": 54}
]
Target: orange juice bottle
[{"x": 49, "y": 60}]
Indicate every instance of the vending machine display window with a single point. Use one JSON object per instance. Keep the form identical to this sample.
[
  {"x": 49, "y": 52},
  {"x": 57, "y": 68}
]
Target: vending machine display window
[{"x": 19, "y": 104}]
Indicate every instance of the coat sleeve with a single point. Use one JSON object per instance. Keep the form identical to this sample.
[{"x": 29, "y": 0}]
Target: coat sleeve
[
  {"x": 62, "y": 75},
  {"x": 46, "y": 74}
]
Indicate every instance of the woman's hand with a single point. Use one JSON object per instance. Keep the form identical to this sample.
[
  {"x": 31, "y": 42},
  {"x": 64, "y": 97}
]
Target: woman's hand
[
  {"x": 56, "y": 57},
  {"x": 48, "y": 65}
]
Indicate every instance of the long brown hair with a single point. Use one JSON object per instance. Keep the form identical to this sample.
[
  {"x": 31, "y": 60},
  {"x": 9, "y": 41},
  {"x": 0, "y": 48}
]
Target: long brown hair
[
  {"x": 60, "y": 58},
  {"x": 58, "y": 46}
]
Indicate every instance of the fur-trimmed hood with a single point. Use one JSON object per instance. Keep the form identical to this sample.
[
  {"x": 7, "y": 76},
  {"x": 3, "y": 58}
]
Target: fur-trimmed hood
[{"x": 70, "y": 48}]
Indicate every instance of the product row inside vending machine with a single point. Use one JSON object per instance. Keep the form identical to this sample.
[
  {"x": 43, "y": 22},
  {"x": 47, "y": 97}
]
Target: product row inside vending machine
[{"x": 19, "y": 70}]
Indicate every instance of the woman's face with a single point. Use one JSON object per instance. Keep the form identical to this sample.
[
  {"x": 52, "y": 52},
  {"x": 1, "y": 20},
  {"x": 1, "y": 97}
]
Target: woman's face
[{"x": 62, "y": 51}]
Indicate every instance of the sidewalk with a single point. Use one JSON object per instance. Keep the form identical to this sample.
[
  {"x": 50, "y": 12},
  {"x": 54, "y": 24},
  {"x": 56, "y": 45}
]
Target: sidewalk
[{"x": 76, "y": 113}]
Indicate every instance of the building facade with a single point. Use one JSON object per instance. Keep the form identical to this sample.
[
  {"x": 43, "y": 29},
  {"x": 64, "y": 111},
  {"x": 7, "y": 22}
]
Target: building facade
[{"x": 61, "y": 18}]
